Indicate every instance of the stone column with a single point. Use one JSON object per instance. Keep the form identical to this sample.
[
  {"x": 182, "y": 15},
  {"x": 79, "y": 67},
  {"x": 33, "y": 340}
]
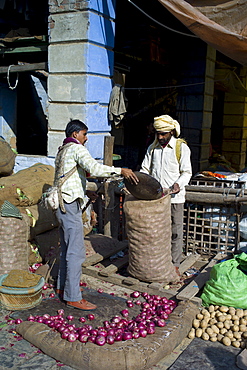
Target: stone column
[{"x": 81, "y": 60}]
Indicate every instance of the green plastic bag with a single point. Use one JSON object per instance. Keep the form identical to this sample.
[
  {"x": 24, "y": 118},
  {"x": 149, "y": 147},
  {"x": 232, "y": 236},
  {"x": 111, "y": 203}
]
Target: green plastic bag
[{"x": 227, "y": 284}]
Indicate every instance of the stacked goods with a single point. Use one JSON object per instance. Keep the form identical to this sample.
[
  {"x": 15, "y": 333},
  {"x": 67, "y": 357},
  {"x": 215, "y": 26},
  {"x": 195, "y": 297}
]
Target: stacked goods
[
  {"x": 26, "y": 187},
  {"x": 148, "y": 224},
  {"x": 14, "y": 248},
  {"x": 227, "y": 325},
  {"x": 7, "y": 158}
]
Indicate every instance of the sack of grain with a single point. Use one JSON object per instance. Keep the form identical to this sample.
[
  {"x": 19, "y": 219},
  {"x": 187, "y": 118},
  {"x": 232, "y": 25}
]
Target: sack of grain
[
  {"x": 14, "y": 248},
  {"x": 148, "y": 224},
  {"x": 7, "y": 158},
  {"x": 26, "y": 187}
]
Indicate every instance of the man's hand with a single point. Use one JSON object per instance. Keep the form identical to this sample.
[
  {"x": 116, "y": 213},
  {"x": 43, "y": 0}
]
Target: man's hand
[
  {"x": 175, "y": 188},
  {"x": 129, "y": 175},
  {"x": 92, "y": 195}
]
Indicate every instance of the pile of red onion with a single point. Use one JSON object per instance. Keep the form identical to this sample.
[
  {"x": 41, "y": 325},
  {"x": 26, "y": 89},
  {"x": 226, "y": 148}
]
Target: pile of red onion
[{"x": 155, "y": 310}]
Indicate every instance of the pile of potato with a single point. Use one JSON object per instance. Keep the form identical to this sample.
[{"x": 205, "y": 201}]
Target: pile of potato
[{"x": 227, "y": 325}]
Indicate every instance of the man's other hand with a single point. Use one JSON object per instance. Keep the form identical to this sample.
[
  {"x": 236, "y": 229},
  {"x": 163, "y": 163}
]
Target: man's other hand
[
  {"x": 175, "y": 188},
  {"x": 92, "y": 195}
]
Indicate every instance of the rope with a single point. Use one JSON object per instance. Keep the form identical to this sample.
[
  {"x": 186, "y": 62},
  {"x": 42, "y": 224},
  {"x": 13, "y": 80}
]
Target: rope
[{"x": 16, "y": 82}]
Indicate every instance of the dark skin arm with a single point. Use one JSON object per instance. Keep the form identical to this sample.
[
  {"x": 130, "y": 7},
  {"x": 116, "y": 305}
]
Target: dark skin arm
[
  {"x": 129, "y": 175},
  {"x": 175, "y": 188}
]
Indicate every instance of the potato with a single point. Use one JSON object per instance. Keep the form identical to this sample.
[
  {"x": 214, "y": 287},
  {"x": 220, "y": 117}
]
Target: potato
[
  {"x": 209, "y": 331},
  {"x": 245, "y": 312},
  {"x": 229, "y": 334},
  {"x": 218, "y": 313},
  {"x": 199, "y": 316},
  {"x": 192, "y": 333},
  {"x": 239, "y": 312},
  {"x": 212, "y": 321},
  {"x": 222, "y": 318},
  {"x": 235, "y": 317},
  {"x": 220, "y": 325},
  {"x": 203, "y": 324},
  {"x": 205, "y": 312},
  {"x": 211, "y": 308},
  {"x": 236, "y": 322},
  {"x": 242, "y": 344},
  {"x": 242, "y": 321},
  {"x": 226, "y": 341},
  {"x": 235, "y": 328},
  {"x": 198, "y": 332},
  {"x": 195, "y": 323},
  {"x": 228, "y": 317},
  {"x": 212, "y": 314},
  {"x": 242, "y": 328},
  {"x": 231, "y": 311},
  {"x": 236, "y": 344},
  {"x": 213, "y": 339},
  {"x": 205, "y": 336},
  {"x": 220, "y": 337},
  {"x": 237, "y": 335},
  {"x": 215, "y": 329},
  {"x": 223, "y": 331},
  {"x": 224, "y": 309},
  {"x": 227, "y": 325},
  {"x": 216, "y": 308},
  {"x": 244, "y": 335}
]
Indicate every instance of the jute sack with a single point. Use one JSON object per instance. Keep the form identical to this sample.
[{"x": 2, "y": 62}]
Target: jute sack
[
  {"x": 26, "y": 187},
  {"x": 7, "y": 158},
  {"x": 41, "y": 218},
  {"x": 14, "y": 248},
  {"x": 148, "y": 224}
]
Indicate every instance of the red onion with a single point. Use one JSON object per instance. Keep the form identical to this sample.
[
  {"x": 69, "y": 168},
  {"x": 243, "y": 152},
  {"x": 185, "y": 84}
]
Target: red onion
[
  {"x": 70, "y": 317},
  {"x": 60, "y": 312},
  {"x": 130, "y": 303},
  {"x": 72, "y": 337},
  {"x": 116, "y": 319},
  {"x": 93, "y": 332},
  {"x": 138, "y": 302},
  {"x": 83, "y": 338},
  {"x": 100, "y": 340},
  {"x": 18, "y": 321},
  {"x": 135, "y": 334},
  {"x": 82, "y": 319},
  {"x": 100, "y": 290},
  {"x": 65, "y": 334},
  {"x": 150, "y": 330},
  {"x": 111, "y": 332},
  {"x": 127, "y": 335},
  {"x": 90, "y": 316},
  {"x": 125, "y": 313},
  {"x": 106, "y": 324},
  {"x": 102, "y": 332},
  {"x": 143, "y": 333},
  {"x": 110, "y": 339},
  {"x": 161, "y": 322},
  {"x": 91, "y": 338},
  {"x": 52, "y": 295},
  {"x": 135, "y": 294},
  {"x": 118, "y": 337}
]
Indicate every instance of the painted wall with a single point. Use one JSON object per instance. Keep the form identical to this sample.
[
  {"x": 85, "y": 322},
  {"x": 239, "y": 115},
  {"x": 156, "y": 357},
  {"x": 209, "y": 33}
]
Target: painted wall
[{"x": 80, "y": 69}]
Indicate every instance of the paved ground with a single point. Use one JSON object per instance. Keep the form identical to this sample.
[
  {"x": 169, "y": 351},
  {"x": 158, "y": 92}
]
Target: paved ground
[{"x": 16, "y": 353}]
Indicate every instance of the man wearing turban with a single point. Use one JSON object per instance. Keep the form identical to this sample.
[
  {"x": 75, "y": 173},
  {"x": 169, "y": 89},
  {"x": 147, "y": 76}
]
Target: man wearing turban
[{"x": 168, "y": 161}]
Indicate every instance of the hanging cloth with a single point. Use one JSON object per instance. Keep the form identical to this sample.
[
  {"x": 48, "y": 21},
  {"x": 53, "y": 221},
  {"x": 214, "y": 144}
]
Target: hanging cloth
[{"x": 117, "y": 105}]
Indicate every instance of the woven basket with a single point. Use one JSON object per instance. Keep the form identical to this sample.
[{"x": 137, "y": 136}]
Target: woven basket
[{"x": 20, "y": 298}]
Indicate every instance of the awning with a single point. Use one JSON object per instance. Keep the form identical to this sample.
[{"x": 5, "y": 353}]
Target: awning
[{"x": 220, "y": 23}]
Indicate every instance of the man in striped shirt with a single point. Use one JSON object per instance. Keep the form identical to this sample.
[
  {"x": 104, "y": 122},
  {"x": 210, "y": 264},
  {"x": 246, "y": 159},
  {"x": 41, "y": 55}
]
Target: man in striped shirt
[{"x": 69, "y": 215}]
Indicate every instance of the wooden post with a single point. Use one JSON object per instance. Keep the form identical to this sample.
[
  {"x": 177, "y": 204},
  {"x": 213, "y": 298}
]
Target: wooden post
[{"x": 109, "y": 188}]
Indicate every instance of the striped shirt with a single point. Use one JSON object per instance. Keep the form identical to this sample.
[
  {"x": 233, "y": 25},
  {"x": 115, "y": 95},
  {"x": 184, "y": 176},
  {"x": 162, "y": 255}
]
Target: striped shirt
[{"x": 75, "y": 186}]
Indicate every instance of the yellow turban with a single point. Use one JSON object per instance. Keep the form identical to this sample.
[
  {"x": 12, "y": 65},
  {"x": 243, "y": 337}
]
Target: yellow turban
[{"x": 166, "y": 124}]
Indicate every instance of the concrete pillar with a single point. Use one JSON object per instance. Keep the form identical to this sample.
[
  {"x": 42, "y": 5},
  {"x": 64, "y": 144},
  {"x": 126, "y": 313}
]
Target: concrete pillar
[
  {"x": 81, "y": 60},
  {"x": 235, "y": 127}
]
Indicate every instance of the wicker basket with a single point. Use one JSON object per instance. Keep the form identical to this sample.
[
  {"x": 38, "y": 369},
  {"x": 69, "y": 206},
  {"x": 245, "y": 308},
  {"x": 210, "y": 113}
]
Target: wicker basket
[{"x": 20, "y": 298}]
